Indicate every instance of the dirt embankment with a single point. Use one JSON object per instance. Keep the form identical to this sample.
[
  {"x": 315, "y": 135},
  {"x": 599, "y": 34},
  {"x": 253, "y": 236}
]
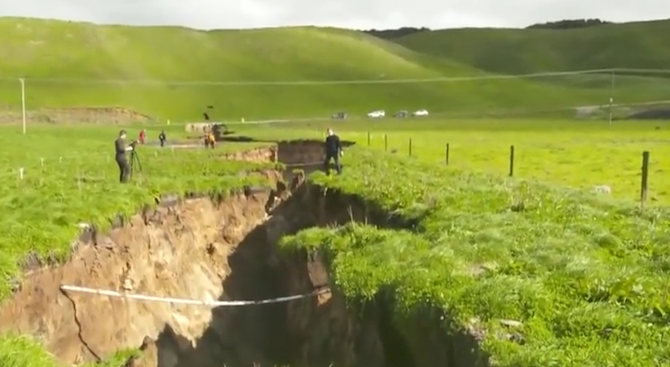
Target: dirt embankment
[
  {"x": 224, "y": 248},
  {"x": 303, "y": 155},
  {"x": 75, "y": 115},
  {"x": 259, "y": 155}
]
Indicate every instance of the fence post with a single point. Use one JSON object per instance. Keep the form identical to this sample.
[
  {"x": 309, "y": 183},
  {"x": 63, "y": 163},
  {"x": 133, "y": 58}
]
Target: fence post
[
  {"x": 644, "y": 182},
  {"x": 23, "y": 104},
  {"x": 410, "y": 147},
  {"x": 446, "y": 155},
  {"x": 368, "y": 138},
  {"x": 386, "y": 142},
  {"x": 511, "y": 161}
]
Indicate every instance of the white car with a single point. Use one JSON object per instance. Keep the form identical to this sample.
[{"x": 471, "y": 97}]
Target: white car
[
  {"x": 420, "y": 113},
  {"x": 376, "y": 114}
]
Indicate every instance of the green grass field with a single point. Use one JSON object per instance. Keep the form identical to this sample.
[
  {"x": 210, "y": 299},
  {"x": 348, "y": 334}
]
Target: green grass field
[
  {"x": 58, "y": 193},
  {"x": 586, "y": 274},
  {"x": 562, "y": 152},
  {"x": 586, "y": 278},
  {"x": 76, "y": 72}
]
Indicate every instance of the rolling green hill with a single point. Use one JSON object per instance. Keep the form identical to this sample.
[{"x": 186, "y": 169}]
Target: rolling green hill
[
  {"x": 85, "y": 72},
  {"x": 638, "y": 45}
]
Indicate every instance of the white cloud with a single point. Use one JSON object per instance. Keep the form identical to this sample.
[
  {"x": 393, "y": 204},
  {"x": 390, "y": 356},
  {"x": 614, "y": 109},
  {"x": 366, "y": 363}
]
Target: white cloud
[{"x": 209, "y": 14}]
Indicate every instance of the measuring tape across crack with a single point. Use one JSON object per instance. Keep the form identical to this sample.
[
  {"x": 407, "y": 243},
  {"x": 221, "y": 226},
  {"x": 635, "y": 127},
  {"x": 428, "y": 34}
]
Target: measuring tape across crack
[{"x": 183, "y": 301}]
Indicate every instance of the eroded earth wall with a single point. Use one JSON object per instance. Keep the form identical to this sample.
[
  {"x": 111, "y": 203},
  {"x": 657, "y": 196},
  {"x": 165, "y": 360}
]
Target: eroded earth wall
[{"x": 173, "y": 251}]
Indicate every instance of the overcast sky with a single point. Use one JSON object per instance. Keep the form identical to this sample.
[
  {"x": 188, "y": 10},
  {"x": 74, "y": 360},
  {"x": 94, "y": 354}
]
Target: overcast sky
[{"x": 359, "y": 14}]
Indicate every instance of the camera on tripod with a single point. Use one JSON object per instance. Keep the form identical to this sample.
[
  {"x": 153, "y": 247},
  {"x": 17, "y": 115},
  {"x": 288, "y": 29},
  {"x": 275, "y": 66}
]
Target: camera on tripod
[{"x": 134, "y": 157}]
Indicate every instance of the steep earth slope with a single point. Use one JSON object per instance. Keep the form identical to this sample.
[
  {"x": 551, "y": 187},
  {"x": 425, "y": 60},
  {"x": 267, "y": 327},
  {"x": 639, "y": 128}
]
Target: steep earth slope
[{"x": 89, "y": 73}]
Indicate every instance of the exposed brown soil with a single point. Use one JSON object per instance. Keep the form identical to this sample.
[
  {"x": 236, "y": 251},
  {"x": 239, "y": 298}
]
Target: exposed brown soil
[
  {"x": 304, "y": 155},
  {"x": 225, "y": 248},
  {"x": 293, "y": 153},
  {"x": 259, "y": 155},
  {"x": 75, "y": 115}
]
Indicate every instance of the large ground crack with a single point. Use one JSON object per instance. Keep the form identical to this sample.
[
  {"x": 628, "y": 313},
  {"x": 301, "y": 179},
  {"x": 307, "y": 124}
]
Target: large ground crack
[{"x": 80, "y": 332}]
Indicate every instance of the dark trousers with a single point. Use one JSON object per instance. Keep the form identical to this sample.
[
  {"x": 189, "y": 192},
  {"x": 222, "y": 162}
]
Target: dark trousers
[
  {"x": 336, "y": 160},
  {"x": 162, "y": 142},
  {"x": 124, "y": 169}
]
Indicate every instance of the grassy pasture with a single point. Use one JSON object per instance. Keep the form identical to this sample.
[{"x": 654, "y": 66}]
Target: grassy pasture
[
  {"x": 43, "y": 209},
  {"x": 562, "y": 152},
  {"x": 586, "y": 277}
]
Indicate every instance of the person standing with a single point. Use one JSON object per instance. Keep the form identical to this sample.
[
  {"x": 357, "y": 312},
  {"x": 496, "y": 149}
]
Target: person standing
[
  {"x": 162, "y": 138},
  {"x": 120, "y": 156},
  {"x": 333, "y": 151},
  {"x": 143, "y": 135}
]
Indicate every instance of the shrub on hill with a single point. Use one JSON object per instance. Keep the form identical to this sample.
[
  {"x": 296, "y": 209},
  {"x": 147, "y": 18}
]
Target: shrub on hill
[
  {"x": 569, "y": 24},
  {"x": 389, "y": 34}
]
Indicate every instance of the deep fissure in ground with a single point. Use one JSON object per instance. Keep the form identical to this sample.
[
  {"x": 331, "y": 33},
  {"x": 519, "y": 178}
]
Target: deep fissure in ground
[
  {"x": 318, "y": 331},
  {"x": 203, "y": 242}
]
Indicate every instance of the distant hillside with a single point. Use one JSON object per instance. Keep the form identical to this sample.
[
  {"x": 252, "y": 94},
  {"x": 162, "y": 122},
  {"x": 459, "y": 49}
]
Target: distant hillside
[
  {"x": 515, "y": 51},
  {"x": 80, "y": 71}
]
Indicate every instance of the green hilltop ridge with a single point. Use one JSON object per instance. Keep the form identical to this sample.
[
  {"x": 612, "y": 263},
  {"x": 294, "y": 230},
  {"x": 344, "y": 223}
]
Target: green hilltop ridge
[
  {"x": 635, "y": 45},
  {"x": 174, "y": 73}
]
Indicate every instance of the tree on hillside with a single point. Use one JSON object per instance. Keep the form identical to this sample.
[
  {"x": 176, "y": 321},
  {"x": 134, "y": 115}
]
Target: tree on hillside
[
  {"x": 389, "y": 34},
  {"x": 569, "y": 24}
]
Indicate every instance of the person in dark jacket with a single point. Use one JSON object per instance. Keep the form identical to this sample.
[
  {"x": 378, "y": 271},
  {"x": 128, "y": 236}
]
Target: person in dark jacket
[
  {"x": 333, "y": 152},
  {"x": 162, "y": 137},
  {"x": 120, "y": 156}
]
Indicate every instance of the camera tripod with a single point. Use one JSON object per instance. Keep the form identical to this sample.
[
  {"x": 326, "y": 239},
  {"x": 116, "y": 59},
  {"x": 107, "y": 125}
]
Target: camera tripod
[{"x": 134, "y": 159}]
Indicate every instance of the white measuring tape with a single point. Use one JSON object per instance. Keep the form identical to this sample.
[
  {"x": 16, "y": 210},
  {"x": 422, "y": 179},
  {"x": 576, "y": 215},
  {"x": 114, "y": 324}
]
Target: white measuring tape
[{"x": 109, "y": 293}]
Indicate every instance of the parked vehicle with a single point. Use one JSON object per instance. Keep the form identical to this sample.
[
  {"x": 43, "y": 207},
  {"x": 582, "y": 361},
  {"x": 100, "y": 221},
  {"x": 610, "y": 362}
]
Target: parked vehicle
[
  {"x": 340, "y": 116},
  {"x": 377, "y": 114}
]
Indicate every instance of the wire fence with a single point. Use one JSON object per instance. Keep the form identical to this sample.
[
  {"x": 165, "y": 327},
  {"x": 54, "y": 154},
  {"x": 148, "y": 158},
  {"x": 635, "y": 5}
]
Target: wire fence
[{"x": 630, "y": 169}]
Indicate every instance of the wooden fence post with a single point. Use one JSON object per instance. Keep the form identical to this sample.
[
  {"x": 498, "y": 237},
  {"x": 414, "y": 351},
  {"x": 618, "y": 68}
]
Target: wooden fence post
[
  {"x": 511, "y": 161},
  {"x": 386, "y": 142},
  {"x": 410, "y": 147},
  {"x": 446, "y": 155},
  {"x": 368, "y": 138},
  {"x": 644, "y": 182}
]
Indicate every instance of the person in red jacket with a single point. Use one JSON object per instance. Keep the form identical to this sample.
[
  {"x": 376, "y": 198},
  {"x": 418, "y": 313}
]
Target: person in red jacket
[{"x": 143, "y": 135}]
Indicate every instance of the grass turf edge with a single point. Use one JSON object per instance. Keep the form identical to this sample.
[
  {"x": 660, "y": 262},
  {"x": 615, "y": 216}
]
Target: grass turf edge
[{"x": 583, "y": 274}]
